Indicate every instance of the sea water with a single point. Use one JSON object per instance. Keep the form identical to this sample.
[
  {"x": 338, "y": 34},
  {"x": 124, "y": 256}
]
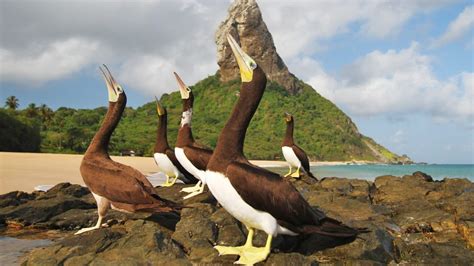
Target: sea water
[{"x": 370, "y": 172}]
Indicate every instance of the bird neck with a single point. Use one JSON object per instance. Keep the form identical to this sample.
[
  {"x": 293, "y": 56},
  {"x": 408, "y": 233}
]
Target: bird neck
[
  {"x": 288, "y": 140},
  {"x": 185, "y": 134},
  {"x": 161, "y": 143},
  {"x": 231, "y": 140},
  {"x": 100, "y": 143}
]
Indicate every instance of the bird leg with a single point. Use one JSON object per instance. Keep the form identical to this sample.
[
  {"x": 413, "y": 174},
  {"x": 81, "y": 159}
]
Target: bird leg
[
  {"x": 236, "y": 250},
  {"x": 296, "y": 173},
  {"x": 103, "y": 206},
  {"x": 289, "y": 172},
  {"x": 192, "y": 189},
  {"x": 199, "y": 190},
  {"x": 253, "y": 255},
  {"x": 168, "y": 183}
]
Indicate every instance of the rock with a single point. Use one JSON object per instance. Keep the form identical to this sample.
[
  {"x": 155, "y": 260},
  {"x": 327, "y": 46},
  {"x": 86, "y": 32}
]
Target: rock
[
  {"x": 59, "y": 199},
  {"x": 289, "y": 259},
  {"x": 196, "y": 233},
  {"x": 133, "y": 243},
  {"x": 15, "y": 198},
  {"x": 244, "y": 22}
]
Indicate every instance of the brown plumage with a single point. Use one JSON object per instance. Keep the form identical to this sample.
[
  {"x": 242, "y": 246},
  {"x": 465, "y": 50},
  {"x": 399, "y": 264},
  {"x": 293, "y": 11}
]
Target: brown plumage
[
  {"x": 262, "y": 189},
  {"x": 162, "y": 146},
  {"x": 288, "y": 141},
  {"x": 198, "y": 155},
  {"x": 113, "y": 184}
]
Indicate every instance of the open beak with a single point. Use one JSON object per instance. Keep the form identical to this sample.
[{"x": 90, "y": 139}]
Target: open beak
[
  {"x": 110, "y": 82},
  {"x": 159, "y": 108},
  {"x": 183, "y": 89},
  {"x": 245, "y": 62}
]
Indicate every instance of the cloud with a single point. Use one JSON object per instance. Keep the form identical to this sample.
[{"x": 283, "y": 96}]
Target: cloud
[
  {"x": 56, "y": 60},
  {"x": 298, "y": 25},
  {"x": 396, "y": 83},
  {"x": 457, "y": 28},
  {"x": 141, "y": 36},
  {"x": 145, "y": 40}
]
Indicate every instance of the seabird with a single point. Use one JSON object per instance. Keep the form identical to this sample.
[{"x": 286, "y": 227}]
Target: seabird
[
  {"x": 112, "y": 184},
  {"x": 164, "y": 156},
  {"x": 192, "y": 157},
  {"x": 259, "y": 198},
  {"x": 294, "y": 155}
]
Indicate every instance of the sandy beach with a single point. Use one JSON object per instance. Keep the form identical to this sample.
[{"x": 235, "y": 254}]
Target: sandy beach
[{"x": 25, "y": 171}]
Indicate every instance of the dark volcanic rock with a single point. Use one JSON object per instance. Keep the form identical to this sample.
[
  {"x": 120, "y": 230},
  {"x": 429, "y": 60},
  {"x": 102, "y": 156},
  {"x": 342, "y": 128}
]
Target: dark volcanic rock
[
  {"x": 412, "y": 220},
  {"x": 42, "y": 208},
  {"x": 133, "y": 243}
]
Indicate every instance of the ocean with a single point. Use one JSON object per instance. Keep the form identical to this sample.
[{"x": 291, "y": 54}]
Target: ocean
[{"x": 369, "y": 172}]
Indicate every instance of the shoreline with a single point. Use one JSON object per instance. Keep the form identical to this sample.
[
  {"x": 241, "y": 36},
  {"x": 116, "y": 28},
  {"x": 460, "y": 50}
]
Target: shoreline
[{"x": 24, "y": 171}]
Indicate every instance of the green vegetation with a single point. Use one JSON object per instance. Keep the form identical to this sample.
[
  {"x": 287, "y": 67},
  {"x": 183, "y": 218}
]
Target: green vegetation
[
  {"x": 18, "y": 134},
  {"x": 321, "y": 128}
]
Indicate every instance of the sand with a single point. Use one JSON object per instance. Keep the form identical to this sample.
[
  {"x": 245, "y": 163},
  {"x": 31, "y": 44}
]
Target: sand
[{"x": 25, "y": 171}]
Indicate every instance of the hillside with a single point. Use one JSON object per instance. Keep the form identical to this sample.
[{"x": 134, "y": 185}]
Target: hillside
[{"x": 324, "y": 131}]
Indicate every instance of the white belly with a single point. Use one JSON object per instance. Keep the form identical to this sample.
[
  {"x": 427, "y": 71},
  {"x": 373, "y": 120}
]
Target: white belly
[
  {"x": 290, "y": 156},
  {"x": 224, "y": 192},
  {"x": 184, "y": 161},
  {"x": 165, "y": 165}
]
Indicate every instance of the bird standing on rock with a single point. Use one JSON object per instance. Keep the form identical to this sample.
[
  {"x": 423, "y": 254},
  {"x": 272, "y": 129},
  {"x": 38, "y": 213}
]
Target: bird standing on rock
[
  {"x": 259, "y": 198},
  {"x": 113, "y": 184},
  {"x": 192, "y": 157},
  {"x": 164, "y": 156},
  {"x": 294, "y": 155}
]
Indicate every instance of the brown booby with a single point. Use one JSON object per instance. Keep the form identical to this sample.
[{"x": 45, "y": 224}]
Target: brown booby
[
  {"x": 192, "y": 157},
  {"x": 164, "y": 156},
  {"x": 112, "y": 184},
  {"x": 294, "y": 155},
  {"x": 259, "y": 198}
]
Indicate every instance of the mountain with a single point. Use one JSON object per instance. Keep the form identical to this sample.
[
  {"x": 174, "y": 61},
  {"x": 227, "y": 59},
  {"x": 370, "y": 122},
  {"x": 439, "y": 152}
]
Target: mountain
[{"x": 321, "y": 128}]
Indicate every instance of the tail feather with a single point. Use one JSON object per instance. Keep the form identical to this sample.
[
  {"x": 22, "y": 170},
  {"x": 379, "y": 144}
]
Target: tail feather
[
  {"x": 312, "y": 176},
  {"x": 334, "y": 228}
]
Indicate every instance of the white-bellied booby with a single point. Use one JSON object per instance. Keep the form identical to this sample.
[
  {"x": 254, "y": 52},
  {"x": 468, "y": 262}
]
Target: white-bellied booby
[
  {"x": 164, "y": 156},
  {"x": 294, "y": 155},
  {"x": 192, "y": 157},
  {"x": 258, "y": 198}
]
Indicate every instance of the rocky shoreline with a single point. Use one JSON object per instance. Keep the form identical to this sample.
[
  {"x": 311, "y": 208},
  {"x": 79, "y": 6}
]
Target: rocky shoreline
[{"x": 413, "y": 220}]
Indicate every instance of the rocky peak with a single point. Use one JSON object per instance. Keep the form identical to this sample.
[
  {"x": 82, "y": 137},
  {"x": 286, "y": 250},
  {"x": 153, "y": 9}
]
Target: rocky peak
[{"x": 244, "y": 22}]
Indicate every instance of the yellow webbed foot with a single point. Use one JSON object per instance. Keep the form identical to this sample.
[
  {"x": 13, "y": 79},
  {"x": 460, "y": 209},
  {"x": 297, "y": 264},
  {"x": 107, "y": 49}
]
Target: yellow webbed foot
[
  {"x": 169, "y": 183},
  {"x": 192, "y": 189},
  {"x": 228, "y": 250},
  {"x": 296, "y": 174},
  {"x": 289, "y": 173},
  {"x": 253, "y": 255}
]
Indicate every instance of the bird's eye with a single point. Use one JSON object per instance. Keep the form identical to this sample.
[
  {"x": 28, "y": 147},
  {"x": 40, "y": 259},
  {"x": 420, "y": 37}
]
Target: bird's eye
[{"x": 253, "y": 65}]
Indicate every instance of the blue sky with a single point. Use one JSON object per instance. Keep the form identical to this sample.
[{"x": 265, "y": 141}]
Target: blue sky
[{"x": 402, "y": 70}]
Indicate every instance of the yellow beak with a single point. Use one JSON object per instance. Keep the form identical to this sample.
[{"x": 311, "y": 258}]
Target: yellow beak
[
  {"x": 111, "y": 83},
  {"x": 183, "y": 89},
  {"x": 161, "y": 111},
  {"x": 245, "y": 62}
]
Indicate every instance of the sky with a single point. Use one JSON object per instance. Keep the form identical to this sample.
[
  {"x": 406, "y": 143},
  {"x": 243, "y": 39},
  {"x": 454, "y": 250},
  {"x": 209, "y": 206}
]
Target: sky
[{"x": 402, "y": 70}]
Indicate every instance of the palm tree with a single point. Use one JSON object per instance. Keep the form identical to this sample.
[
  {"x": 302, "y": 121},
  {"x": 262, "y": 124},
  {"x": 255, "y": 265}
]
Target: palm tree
[
  {"x": 46, "y": 112},
  {"x": 31, "y": 110},
  {"x": 12, "y": 102}
]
